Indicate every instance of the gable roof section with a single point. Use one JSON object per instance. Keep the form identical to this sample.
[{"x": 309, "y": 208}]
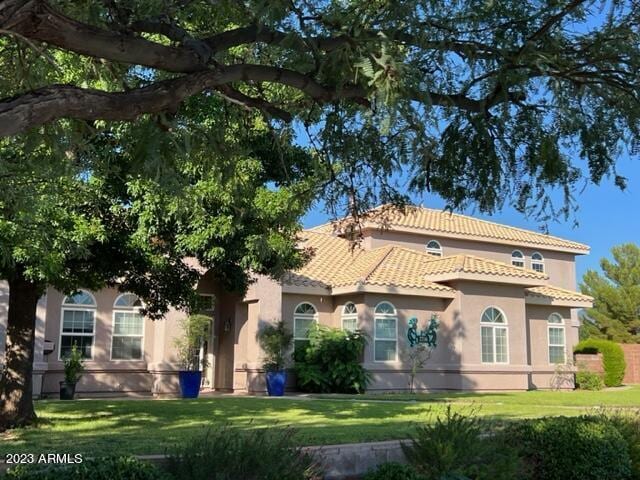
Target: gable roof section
[
  {"x": 441, "y": 223},
  {"x": 471, "y": 267},
  {"x": 549, "y": 295}
]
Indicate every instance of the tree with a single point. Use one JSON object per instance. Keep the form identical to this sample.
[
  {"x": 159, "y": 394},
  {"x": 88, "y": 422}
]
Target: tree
[
  {"x": 92, "y": 213},
  {"x": 480, "y": 101},
  {"x": 616, "y": 296}
]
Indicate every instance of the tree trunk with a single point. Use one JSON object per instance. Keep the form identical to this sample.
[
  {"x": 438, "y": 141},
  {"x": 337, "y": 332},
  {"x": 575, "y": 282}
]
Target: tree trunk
[{"x": 16, "y": 402}]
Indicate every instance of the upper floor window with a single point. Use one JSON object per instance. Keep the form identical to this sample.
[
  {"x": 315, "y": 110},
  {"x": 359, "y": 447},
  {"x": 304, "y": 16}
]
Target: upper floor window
[
  {"x": 537, "y": 262},
  {"x": 78, "y": 324},
  {"x": 385, "y": 333},
  {"x": 434, "y": 248},
  {"x": 350, "y": 317},
  {"x": 128, "y": 328},
  {"x": 556, "y": 337},
  {"x": 493, "y": 333},
  {"x": 304, "y": 317},
  {"x": 517, "y": 259}
]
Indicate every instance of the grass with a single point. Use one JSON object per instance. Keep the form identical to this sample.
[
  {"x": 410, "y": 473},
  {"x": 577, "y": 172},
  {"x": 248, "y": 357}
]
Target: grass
[{"x": 100, "y": 427}]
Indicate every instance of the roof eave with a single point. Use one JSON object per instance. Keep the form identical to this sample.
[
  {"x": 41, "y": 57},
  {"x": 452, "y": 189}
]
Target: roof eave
[
  {"x": 556, "y": 302},
  {"x": 306, "y": 289},
  {"x": 486, "y": 278},
  {"x": 393, "y": 290}
]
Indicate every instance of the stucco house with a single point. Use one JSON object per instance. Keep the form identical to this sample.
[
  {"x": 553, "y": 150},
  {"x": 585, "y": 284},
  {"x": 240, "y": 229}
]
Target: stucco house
[{"x": 505, "y": 298}]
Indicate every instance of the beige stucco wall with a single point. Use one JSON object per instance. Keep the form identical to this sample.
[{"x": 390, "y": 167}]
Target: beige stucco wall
[
  {"x": 544, "y": 374},
  {"x": 558, "y": 265},
  {"x": 101, "y": 373}
]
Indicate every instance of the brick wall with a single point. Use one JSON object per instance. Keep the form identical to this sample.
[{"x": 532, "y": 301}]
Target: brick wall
[
  {"x": 632, "y": 357},
  {"x": 591, "y": 362}
]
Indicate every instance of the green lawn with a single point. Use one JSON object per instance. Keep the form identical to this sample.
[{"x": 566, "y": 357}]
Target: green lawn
[{"x": 151, "y": 426}]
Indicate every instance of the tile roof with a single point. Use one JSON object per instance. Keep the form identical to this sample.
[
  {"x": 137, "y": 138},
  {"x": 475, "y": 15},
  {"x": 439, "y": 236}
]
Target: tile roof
[
  {"x": 392, "y": 266},
  {"x": 330, "y": 255},
  {"x": 463, "y": 263},
  {"x": 557, "y": 293},
  {"x": 445, "y": 224},
  {"x": 336, "y": 262}
]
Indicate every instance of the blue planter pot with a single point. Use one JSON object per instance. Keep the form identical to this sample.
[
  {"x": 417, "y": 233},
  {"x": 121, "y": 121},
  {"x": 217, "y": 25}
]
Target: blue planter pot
[
  {"x": 190, "y": 383},
  {"x": 276, "y": 382}
]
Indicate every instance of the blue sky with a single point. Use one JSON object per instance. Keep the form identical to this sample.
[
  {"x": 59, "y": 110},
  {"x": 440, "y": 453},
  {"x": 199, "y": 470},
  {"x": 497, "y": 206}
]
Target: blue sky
[{"x": 606, "y": 216}]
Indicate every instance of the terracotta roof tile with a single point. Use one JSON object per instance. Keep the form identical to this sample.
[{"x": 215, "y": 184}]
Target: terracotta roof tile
[
  {"x": 337, "y": 263},
  {"x": 473, "y": 264},
  {"x": 446, "y": 224},
  {"x": 557, "y": 293}
]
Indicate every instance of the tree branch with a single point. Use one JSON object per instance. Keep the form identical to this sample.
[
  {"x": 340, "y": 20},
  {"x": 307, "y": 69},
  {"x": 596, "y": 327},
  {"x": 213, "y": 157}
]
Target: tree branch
[
  {"x": 63, "y": 101},
  {"x": 36, "y": 20},
  {"x": 239, "y": 98}
]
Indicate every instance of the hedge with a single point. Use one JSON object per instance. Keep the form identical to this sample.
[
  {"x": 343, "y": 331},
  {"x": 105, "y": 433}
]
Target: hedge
[
  {"x": 612, "y": 358},
  {"x": 573, "y": 448}
]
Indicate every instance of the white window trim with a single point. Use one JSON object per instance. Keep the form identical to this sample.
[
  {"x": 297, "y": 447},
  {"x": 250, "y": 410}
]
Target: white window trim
[
  {"x": 494, "y": 326},
  {"x": 78, "y": 308},
  {"x": 349, "y": 316},
  {"x": 113, "y": 330},
  {"x": 538, "y": 262},
  {"x": 436, "y": 252},
  {"x": 393, "y": 315},
  {"x": 303, "y": 316},
  {"x": 518, "y": 259},
  {"x": 564, "y": 338}
]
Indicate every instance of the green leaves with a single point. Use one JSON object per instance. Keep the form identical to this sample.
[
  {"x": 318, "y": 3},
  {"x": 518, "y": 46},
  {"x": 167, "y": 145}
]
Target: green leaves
[
  {"x": 331, "y": 362},
  {"x": 616, "y": 312}
]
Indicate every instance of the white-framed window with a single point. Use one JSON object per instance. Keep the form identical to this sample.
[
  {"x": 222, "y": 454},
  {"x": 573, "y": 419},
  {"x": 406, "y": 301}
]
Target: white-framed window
[
  {"x": 206, "y": 303},
  {"x": 517, "y": 259},
  {"x": 494, "y": 336},
  {"x": 537, "y": 262},
  {"x": 385, "y": 333},
  {"x": 434, "y": 248},
  {"x": 127, "y": 338},
  {"x": 77, "y": 324},
  {"x": 556, "y": 337},
  {"x": 304, "y": 317},
  {"x": 349, "y": 317}
]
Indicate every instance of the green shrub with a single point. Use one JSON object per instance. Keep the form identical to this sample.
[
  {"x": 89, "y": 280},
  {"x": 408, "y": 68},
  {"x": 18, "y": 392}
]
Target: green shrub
[
  {"x": 330, "y": 362},
  {"x": 628, "y": 424},
  {"x": 110, "y": 468},
  {"x": 455, "y": 447},
  {"x": 572, "y": 448},
  {"x": 225, "y": 454},
  {"x": 275, "y": 341},
  {"x": 586, "y": 380},
  {"x": 612, "y": 358},
  {"x": 393, "y": 471}
]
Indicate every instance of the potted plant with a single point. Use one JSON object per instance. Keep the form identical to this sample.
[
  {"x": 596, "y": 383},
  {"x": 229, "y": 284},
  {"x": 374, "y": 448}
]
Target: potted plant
[
  {"x": 275, "y": 342},
  {"x": 196, "y": 329},
  {"x": 73, "y": 368}
]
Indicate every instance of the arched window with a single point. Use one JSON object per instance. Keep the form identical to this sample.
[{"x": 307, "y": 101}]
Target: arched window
[
  {"x": 537, "y": 262},
  {"x": 385, "y": 333},
  {"x": 556, "y": 336},
  {"x": 78, "y": 324},
  {"x": 350, "y": 317},
  {"x": 517, "y": 259},
  {"x": 434, "y": 248},
  {"x": 304, "y": 317},
  {"x": 128, "y": 328},
  {"x": 494, "y": 338}
]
